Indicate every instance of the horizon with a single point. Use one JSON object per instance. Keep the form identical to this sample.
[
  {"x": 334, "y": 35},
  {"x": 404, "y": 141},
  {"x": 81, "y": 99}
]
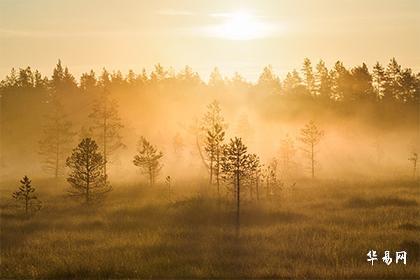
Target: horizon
[{"x": 234, "y": 37}]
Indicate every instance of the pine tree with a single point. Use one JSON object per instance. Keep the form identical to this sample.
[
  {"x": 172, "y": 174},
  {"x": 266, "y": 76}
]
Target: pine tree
[
  {"x": 310, "y": 137},
  {"x": 393, "y": 77},
  {"x": 414, "y": 159},
  {"x": 309, "y": 78},
  {"x": 107, "y": 125},
  {"x": 148, "y": 159},
  {"x": 26, "y": 196},
  {"x": 56, "y": 141},
  {"x": 214, "y": 123},
  {"x": 213, "y": 149},
  {"x": 287, "y": 154},
  {"x": 87, "y": 179},
  {"x": 269, "y": 82},
  {"x": 323, "y": 81},
  {"x": 378, "y": 80},
  {"x": 216, "y": 80},
  {"x": 235, "y": 167},
  {"x": 254, "y": 175}
]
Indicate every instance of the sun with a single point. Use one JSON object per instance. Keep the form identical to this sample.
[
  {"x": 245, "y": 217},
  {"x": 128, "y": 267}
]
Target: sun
[{"x": 240, "y": 25}]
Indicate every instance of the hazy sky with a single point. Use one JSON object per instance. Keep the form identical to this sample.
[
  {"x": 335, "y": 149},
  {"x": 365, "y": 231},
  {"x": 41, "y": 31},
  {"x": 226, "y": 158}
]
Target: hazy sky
[{"x": 241, "y": 36}]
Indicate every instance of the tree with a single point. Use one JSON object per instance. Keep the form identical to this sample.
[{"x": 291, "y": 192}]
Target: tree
[
  {"x": 254, "y": 175},
  {"x": 107, "y": 125},
  {"x": 309, "y": 78},
  {"x": 270, "y": 176},
  {"x": 323, "y": 81},
  {"x": 362, "y": 84},
  {"x": 213, "y": 148},
  {"x": 148, "y": 159},
  {"x": 87, "y": 178},
  {"x": 214, "y": 123},
  {"x": 216, "y": 80},
  {"x": 268, "y": 81},
  {"x": 235, "y": 166},
  {"x": 56, "y": 141},
  {"x": 287, "y": 154},
  {"x": 26, "y": 196},
  {"x": 341, "y": 81},
  {"x": 393, "y": 79},
  {"x": 310, "y": 136},
  {"x": 414, "y": 159},
  {"x": 378, "y": 80}
]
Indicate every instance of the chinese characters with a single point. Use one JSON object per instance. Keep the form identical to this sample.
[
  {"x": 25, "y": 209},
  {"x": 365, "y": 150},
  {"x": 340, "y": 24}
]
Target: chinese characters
[{"x": 400, "y": 256}]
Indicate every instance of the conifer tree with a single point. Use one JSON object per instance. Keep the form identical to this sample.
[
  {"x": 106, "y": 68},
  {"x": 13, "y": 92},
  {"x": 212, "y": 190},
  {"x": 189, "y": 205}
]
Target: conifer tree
[
  {"x": 309, "y": 78},
  {"x": 213, "y": 126},
  {"x": 414, "y": 159},
  {"x": 87, "y": 179},
  {"x": 287, "y": 154},
  {"x": 310, "y": 136},
  {"x": 148, "y": 159},
  {"x": 235, "y": 167},
  {"x": 26, "y": 196},
  {"x": 57, "y": 138},
  {"x": 213, "y": 148},
  {"x": 107, "y": 126}
]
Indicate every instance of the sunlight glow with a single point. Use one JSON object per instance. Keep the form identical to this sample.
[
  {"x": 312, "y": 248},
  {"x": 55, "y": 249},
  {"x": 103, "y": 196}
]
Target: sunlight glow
[{"x": 240, "y": 26}]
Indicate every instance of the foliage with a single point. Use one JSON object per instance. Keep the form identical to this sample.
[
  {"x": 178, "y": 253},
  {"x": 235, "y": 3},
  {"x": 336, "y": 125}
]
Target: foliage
[
  {"x": 148, "y": 159},
  {"x": 87, "y": 179},
  {"x": 26, "y": 196}
]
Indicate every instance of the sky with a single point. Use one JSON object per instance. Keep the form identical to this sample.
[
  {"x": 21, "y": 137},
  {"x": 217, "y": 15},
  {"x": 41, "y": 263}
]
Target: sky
[{"x": 235, "y": 36}]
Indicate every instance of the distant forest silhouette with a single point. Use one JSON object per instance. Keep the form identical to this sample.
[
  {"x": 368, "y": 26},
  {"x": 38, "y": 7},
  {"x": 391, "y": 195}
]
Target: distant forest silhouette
[{"x": 384, "y": 97}]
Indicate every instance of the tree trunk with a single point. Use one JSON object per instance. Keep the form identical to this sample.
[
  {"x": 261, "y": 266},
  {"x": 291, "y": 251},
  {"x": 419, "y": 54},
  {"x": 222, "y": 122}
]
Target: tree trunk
[
  {"x": 312, "y": 160},
  {"x": 257, "y": 187},
  {"x": 238, "y": 191},
  {"x": 26, "y": 206},
  {"x": 104, "y": 139}
]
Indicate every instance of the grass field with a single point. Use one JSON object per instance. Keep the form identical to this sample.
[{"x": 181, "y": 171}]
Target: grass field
[{"x": 316, "y": 230}]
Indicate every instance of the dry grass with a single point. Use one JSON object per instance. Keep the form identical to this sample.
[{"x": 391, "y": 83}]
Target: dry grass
[{"x": 321, "y": 230}]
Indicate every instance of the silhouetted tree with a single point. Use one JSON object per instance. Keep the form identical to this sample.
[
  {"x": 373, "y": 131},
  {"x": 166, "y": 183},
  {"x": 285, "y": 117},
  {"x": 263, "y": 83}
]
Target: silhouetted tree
[
  {"x": 254, "y": 175},
  {"x": 216, "y": 80},
  {"x": 213, "y": 148},
  {"x": 214, "y": 123},
  {"x": 107, "y": 125},
  {"x": 378, "y": 80},
  {"x": 361, "y": 84},
  {"x": 310, "y": 136},
  {"x": 270, "y": 176},
  {"x": 26, "y": 196},
  {"x": 268, "y": 82},
  {"x": 87, "y": 179},
  {"x": 308, "y": 76},
  {"x": 414, "y": 159},
  {"x": 341, "y": 81},
  {"x": 148, "y": 159},
  {"x": 393, "y": 79},
  {"x": 287, "y": 154},
  {"x": 57, "y": 138},
  {"x": 323, "y": 81},
  {"x": 235, "y": 166}
]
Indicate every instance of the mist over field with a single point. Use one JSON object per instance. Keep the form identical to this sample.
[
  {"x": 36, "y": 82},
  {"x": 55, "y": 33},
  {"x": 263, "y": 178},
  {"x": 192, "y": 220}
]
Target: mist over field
[{"x": 209, "y": 139}]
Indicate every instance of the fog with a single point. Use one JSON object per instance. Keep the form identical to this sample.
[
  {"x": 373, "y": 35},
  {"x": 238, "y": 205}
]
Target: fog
[{"x": 363, "y": 138}]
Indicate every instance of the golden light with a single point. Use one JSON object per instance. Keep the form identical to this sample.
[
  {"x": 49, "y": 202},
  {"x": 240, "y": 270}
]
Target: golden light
[{"x": 240, "y": 26}]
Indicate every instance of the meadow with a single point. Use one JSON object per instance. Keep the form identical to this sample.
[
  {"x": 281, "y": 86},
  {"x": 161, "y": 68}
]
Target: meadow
[{"x": 316, "y": 229}]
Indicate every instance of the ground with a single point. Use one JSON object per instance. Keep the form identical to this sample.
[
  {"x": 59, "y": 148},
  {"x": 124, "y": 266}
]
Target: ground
[{"x": 320, "y": 229}]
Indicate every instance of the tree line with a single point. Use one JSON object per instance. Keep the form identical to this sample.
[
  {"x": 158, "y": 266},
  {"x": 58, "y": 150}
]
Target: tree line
[{"x": 390, "y": 83}]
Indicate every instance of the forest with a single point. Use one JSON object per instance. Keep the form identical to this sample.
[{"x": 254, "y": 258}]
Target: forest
[{"x": 178, "y": 175}]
